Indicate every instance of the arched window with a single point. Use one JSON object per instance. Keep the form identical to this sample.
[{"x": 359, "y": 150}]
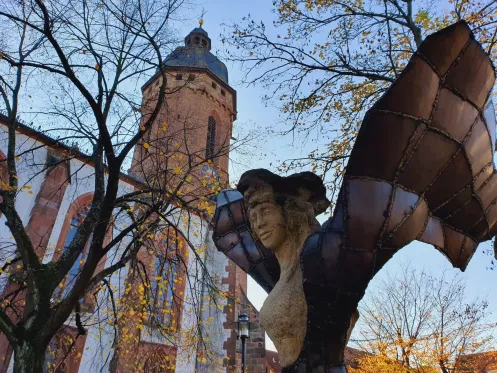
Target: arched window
[
  {"x": 164, "y": 274},
  {"x": 211, "y": 138},
  {"x": 74, "y": 271},
  {"x": 76, "y": 220},
  {"x": 4, "y": 175},
  {"x": 62, "y": 353}
]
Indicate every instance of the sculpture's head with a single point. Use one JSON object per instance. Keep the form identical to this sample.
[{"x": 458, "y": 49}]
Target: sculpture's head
[{"x": 282, "y": 209}]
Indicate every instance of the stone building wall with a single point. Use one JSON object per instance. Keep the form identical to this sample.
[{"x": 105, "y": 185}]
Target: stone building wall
[{"x": 45, "y": 212}]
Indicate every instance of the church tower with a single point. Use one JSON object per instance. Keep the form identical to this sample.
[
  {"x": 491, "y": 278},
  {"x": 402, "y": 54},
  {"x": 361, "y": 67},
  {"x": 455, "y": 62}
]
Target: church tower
[
  {"x": 198, "y": 112},
  {"x": 196, "y": 118}
]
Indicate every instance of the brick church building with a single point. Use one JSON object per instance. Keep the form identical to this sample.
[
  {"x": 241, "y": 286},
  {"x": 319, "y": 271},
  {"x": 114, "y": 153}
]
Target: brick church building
[{"x": 56, "y": 203}]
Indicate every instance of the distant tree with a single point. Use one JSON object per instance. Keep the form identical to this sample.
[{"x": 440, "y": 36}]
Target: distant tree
[
  {"x": 326, "y": 62},
  {"x": 383, "y": 364},
  {"x": 76, "y": 69},
  {"x": 416, "y": 322}
]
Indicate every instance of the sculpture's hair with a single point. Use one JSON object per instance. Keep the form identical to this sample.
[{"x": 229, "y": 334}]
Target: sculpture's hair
[
  {"x": 299, "y": 216},
  {"x": 303, "y": 185},
  {"x": 298, "y": 213}
]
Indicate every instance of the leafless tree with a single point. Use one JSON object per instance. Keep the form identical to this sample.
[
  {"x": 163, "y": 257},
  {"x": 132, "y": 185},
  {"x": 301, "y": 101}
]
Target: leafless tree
[
  {"x": 423, "y": 321},
  {"x": 75, "y": 69}
]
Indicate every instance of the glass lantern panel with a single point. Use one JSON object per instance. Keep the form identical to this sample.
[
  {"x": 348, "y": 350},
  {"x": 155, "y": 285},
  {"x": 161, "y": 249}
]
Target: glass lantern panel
[
  {"x": 227, "y": 241},
  {"x": 227, "y": 196},
  {"x": 239, "y": 257},
  {"x": 223, "y": 222},
  {"x": 252, "y": 249}
]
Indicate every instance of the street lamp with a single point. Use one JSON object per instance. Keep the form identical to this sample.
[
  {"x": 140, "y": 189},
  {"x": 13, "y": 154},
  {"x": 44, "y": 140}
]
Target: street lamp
[{"x": 243, "y": 334}]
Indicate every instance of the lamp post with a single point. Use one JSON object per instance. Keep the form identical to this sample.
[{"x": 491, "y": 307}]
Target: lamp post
[{"x": 243, "y": 334}]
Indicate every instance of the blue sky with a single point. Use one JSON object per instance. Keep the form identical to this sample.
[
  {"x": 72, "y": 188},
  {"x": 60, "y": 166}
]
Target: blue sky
[{"x": 252, "y": 112}]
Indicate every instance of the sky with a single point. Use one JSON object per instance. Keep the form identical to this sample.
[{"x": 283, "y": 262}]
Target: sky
[{"x": 252, "y": 112}]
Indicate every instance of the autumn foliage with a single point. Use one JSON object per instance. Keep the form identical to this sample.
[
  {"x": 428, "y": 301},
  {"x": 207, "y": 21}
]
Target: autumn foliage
[
  {"x": 325, "y": 62},
  {"x": 416, "y": 322}
]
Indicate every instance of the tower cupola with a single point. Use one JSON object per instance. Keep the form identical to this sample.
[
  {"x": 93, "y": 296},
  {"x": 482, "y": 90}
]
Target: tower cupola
[
  {"x": 198, "y": 38},
  {"x": 196, "y": 53}
]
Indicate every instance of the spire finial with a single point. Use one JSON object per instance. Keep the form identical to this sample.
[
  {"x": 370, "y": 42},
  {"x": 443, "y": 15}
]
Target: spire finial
[{"x": 201, "y": 20}]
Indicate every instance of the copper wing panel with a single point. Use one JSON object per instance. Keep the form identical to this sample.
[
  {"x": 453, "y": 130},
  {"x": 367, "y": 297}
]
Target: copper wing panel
[{"x": 431, "y": 138}]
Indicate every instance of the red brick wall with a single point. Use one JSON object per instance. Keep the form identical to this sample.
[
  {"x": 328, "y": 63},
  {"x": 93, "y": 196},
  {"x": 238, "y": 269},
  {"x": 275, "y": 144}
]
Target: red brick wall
[
  {"x": 230, "y": 311},
  {"x": 39, "y": 229},
  {"x": 47, "y": 205},
  {"x": 186, "y": 113},
  {"x": 255, "y": 359}
]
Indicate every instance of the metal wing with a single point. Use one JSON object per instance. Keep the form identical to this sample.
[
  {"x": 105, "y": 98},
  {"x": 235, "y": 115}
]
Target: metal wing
[
  {"x": 424, "y": 153},
  {"x": 421, "y": 169}
]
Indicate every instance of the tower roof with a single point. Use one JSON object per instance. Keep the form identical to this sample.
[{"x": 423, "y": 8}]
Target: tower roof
[
  {"x": 196, "y": 53},
  {"x": 198, "y": 30}
]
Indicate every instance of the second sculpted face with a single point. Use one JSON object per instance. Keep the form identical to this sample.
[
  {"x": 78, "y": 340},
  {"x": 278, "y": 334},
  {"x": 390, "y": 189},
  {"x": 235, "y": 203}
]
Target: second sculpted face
[{"x": 269, "y": 224}]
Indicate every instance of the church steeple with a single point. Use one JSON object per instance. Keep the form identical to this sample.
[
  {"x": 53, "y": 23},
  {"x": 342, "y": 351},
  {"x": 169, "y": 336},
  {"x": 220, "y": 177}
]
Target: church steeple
[
  {"x": 201, "y": 102},
  {"x": 196, "y": 54},
  {"x": 198, "y": 38}
]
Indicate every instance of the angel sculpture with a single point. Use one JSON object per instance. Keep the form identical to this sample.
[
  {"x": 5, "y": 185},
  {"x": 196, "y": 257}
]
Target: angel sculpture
[{"x": 421, "y": 169}]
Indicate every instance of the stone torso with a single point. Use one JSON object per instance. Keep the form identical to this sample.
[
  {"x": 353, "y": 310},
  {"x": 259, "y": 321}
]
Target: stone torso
[{"x": 284, "y": 315}]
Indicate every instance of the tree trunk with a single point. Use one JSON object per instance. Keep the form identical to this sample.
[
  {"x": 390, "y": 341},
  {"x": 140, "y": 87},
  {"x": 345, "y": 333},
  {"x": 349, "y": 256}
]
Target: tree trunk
[{"x": 29, "y": 358}]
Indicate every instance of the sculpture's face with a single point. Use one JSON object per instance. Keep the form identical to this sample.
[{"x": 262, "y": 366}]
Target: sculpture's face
[{"x": 267, "y": 221}]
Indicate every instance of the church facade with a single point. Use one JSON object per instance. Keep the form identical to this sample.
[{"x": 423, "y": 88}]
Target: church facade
[{"x": 198, "y": 92}]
